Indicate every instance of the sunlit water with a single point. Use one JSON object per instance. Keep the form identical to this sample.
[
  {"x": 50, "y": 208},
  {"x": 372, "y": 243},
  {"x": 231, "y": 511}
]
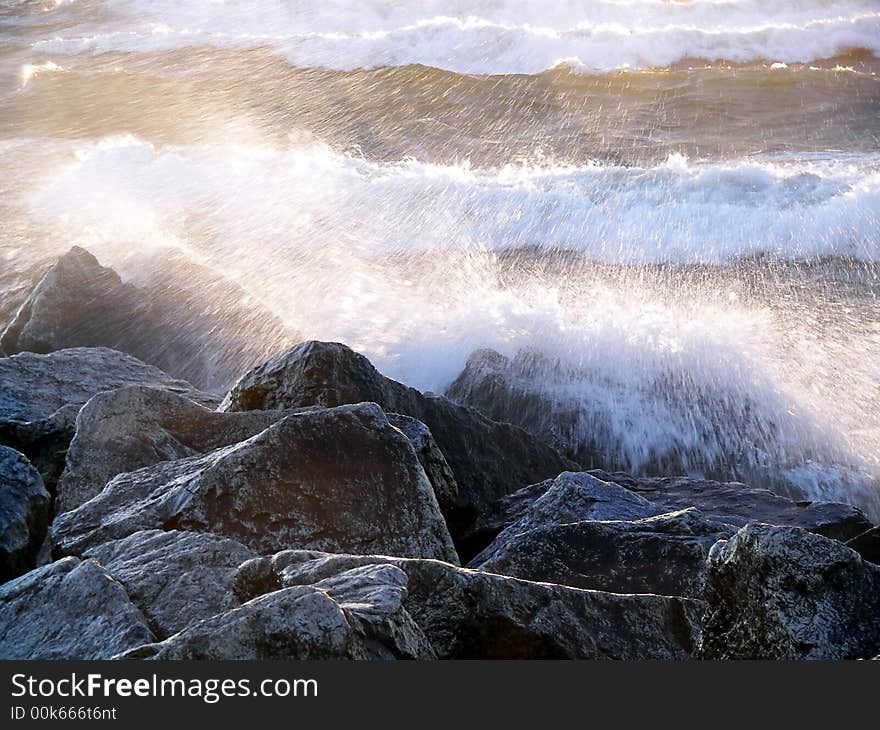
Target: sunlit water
[{"x": 676, "y": 203}]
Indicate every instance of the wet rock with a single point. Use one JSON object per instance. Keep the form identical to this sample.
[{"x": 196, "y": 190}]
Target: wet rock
[
  {"x": 665, "y": 554},
  {"x": 355, "y": 614},
  {"x": 431, "y": 458},
  {"x": 341, "y": 479},
  {"x": 510, "y": 390},
  {"x": 736, "y": 504},
  {"x": 488, "y": 459},
  {"x": 473, "y": 615},
  {"x": 182, "y": 318},
  {"x": 133, "y": 427},
  {"x": 68, "y": 610},
  {"x": 175, "y": 578},
  {"x": 72, "y": 306},
  {"x": 571, "y": 497},
  {"x": 785, "y": 593},
  {"x": 24, "y": 514},
  {"x": 40, "y": 396},
  {"x": 867, "y": 545}
]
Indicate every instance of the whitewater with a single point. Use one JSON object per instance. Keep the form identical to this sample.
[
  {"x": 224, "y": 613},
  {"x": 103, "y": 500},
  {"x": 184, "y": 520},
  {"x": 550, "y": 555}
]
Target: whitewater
[{"x": 671, "y": 206}]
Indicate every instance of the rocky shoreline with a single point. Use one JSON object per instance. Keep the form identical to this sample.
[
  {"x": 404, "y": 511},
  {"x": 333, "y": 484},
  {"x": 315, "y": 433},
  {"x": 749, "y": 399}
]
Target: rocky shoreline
[{"x": 319, "y": 509}]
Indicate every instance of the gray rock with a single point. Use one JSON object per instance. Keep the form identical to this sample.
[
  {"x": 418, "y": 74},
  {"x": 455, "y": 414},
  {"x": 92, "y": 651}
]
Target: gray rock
[
  {"x": 35, "y": 386},
  {"x": 68, "y": 610},
  {"x": 71, "y": 306},
  {"x": 40, "y": 396},
  {"x": 183, "y": 319},
  {"x": 785, "y": 593},
  {"x": 571, "y": 497},
  {"x": 431, "y": 458},
  {"x": 488, "y": 459},
  {"x": 867, "y": 545},
  {"x": 664, "y": 554},
  {"x": 341, "y": 479},
  {"x": 512, "y": 391},
  {"x": 133, "y": 427},
  {"x": 175, "y": 578},
  {"x": 24, "y": 514},
  {"x": 356, "y": 614},
  {"x": 473, "y": 615},
  {"x": 737, "y": 504}
]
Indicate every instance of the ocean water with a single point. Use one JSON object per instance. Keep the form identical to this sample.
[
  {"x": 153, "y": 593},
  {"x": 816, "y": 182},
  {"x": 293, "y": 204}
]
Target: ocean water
[{"x": 675, "y": 203}]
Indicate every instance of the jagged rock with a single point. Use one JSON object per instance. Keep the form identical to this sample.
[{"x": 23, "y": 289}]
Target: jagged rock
[
  {"x": 341, "y": 479},
  {"x": 129, "y": 428},
  {"x": 183, "y": 319},
  {"x": 431, "y": 458},
  {"x": 356, "y": 614},
  {"x": 867, "y": 545},
  {"x": 785, "y": 593},
  {"x": 40, "y": 396},
  {"x": 488, "y": 459},
  {"x": 71, "y": 306},
  {"x": 175, "y": 578},
  {"x": 70, "y": 609},
  {"x": 24, "y": 513},
  {"x": 510, "y": 390},
  {"x": 473, "y": 615},
  {"x": 571, "y": 497},
  {"x": 736, "y": 504},
  {"x": 664, "y": 554}
]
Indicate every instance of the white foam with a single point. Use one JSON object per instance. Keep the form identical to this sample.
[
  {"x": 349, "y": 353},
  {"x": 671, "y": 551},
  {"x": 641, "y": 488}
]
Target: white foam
[
  {"x": 396, "y": 260},
  {"x": 308, "y": 195},
  {"x": 488, "y": 36}
]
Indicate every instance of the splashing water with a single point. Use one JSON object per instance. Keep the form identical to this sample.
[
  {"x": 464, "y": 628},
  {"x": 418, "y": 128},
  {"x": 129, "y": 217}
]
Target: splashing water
[{"x": 682, "y": 264}]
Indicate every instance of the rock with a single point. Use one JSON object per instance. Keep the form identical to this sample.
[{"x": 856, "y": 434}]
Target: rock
[
  {"x": 736, "y": 504},
  {"x": 472, "y": 615},
  {"x": 40, "y": 396},
  {"x": 867, "y": 545},
  {"x": 571, "y": 497},
  {"x": 24, "y": 514},
  {"x": 488, "y": 459},
  {"x": 36, "y": 386},
  {"x": 356, "y": 614},
  {"x": 175, "y": 578},
  {"x": 68, "y": 610},
  {"x": 431, "y": 458},
  {"x": 785, "y": 593},
  {"x": 71, "y": 306},
  {"x": 664, "y": 554},
  {"x": 511, "y": 391},
  {"x": 341, "y": 479},
  {"x": 129, "y": 428},
  {"x": 184, "y": 319}
]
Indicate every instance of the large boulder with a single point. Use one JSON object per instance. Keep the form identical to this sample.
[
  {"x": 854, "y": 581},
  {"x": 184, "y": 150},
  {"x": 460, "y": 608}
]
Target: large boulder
[
  {"x": 130, "y": 428},
  {"x": 71, "y": 306},
  {"x": 785, "y": 593},
  {"x": 70, "y": 609},
  {"x": 181, "y": 318},
  {"x": 488, "y": 459},
  {"x": 175, "y": 578},
  {"x": 24, "y": 514},
  {"x": 356, "y": 614},
  {"x": 730, "y": 503},
  {"x": 736, "y": 504},
  {"x": 340, "y": 479},
  {"x": 664, "y": 554},
  {"x": 40, "y": 396},
  {"x": 473, "y": 615}
]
